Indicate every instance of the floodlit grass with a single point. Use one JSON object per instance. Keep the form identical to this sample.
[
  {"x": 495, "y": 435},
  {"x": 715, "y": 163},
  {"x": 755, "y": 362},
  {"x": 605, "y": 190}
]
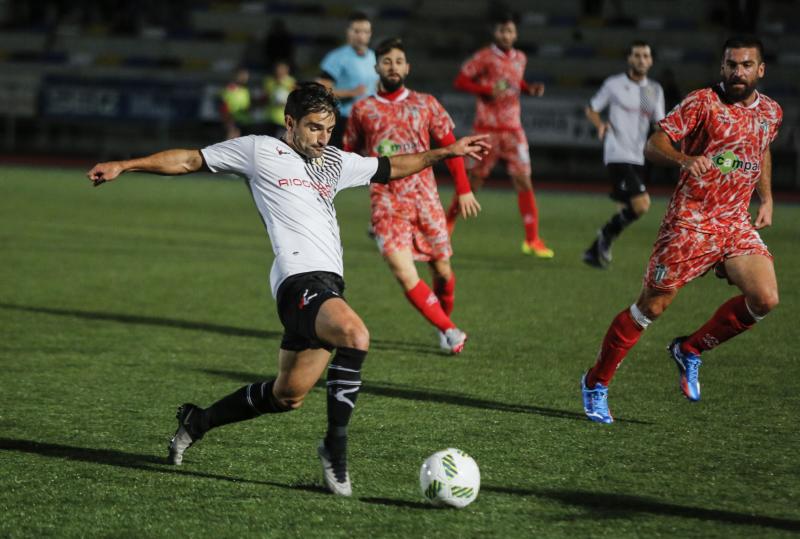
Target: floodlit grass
[{"x": 119, "y": 303}]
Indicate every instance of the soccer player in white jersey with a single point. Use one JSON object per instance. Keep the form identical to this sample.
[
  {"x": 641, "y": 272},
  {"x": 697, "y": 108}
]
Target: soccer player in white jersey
[
  {"x": 293, "y": 181},
  {"x": 634, "y": 103}
]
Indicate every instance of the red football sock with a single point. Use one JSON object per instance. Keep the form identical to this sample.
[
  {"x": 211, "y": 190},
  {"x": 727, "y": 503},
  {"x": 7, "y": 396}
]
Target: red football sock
[
  {"x": 623, "y": 333},
  {"x": 731, "y": 318},
  {"x": 530, "y": 215},
  {"x": 446, "y": 292},
  {"x": 428, "y": 304}
]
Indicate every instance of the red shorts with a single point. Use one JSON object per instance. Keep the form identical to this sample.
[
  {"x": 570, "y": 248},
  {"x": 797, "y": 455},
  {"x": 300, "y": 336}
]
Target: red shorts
[
  {"x": 410, "y": 219},
  {"x": 682, "y": 254},
  {"x": 510, "y": 146}
]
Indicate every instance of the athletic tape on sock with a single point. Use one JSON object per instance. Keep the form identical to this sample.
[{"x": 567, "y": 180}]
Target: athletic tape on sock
[
  {"x": 756, "y": 317},
  {"x": 639, "y": 317}
]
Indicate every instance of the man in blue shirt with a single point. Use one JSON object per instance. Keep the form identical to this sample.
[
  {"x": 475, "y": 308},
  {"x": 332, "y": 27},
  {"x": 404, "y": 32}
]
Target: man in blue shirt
[{"x": 350, "y": 70}]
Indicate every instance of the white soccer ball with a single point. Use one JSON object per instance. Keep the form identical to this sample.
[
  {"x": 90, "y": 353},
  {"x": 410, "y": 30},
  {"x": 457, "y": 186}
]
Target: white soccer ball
[{"x": 450, "y": 477}]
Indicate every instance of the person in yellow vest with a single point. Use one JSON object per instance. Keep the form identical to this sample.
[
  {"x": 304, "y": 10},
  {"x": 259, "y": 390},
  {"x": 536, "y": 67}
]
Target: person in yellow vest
[
  {"x": 235, "y": 106},
  {"x": 277, "y": 87}
]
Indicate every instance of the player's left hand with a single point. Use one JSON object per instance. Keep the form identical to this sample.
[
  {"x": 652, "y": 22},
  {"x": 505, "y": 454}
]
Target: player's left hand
[
  {"x": 468, "y": 205},
  {"x": 764, "y": 216},
  {"x": 474, "y": 146},
  {"x": 536, "y": 89}
]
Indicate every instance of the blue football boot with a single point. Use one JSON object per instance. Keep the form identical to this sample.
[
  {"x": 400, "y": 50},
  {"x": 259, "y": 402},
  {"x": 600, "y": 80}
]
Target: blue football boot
[
  {"x": 689, "y": 368},
  {"x": 595, "y": 402}
]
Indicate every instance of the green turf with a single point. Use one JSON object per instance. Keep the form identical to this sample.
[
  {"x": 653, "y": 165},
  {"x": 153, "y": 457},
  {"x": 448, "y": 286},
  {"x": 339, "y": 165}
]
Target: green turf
[{"x": 118, "y": 303}]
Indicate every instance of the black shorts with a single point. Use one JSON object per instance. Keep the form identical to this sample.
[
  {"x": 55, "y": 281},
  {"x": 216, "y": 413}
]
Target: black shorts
[
  {"x": 299, "y": 300},
  {"x": 627, "y": 181}
]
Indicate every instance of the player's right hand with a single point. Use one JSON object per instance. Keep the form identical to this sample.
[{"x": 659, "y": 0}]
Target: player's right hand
[
  {"x": 602, "y": 130},
  {"x": 474, "y": 146},
  {"x": 104, "y": 172},
  {"x": 697, "y": 165},
  {"x": 358, "y": 91}
]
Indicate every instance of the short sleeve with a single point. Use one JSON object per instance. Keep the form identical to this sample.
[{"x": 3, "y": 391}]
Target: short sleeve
[
  {"x": 659, "y": 112},
  {"x": 236, "y": 156},
  {"x": 441, "y": 122},
  {"x": 356, "y": 170},
  {"x": 776, "y": 125},
  {"x": 331, "y": 65},
  {"x": 683, "y": 119},
  {"x": 352, "y": 139},
  {"x": 599, "y": 101}
]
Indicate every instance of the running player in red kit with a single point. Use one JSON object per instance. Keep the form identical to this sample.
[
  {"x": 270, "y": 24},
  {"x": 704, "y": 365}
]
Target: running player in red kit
[
  {"x": 407, "y": 216},
  {"x": 725, "y": 132},
  {"x": 495, "y": 75}
]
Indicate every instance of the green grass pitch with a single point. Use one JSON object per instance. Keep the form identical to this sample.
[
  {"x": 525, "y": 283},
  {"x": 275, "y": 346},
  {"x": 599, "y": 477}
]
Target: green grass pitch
[{"x": 119, "y": 303}]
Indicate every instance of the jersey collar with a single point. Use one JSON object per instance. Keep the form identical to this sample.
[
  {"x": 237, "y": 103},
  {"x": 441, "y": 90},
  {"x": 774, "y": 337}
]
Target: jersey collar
[
  {"x": 393, "y": 97},
  {"x": 293, "y": 152},
  {"x": 499, "y": 52},
  {"x": 752, "y": 105},
  {"x": 642, "y": 82}
]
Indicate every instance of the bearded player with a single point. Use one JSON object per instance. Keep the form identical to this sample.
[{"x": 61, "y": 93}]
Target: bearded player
[
  {"x": 725, "y": 132},
  {"x": 494, "y": 75},
  {"x": 407, "y": 216}
]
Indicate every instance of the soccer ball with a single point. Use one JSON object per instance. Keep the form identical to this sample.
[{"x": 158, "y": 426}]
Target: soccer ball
[{"x": 450, "y": 477}]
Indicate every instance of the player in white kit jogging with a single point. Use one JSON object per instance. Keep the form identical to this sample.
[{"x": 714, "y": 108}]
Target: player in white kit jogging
[
  {"x": 634, "y": 104},
  {"x": 293, "y": 181}
]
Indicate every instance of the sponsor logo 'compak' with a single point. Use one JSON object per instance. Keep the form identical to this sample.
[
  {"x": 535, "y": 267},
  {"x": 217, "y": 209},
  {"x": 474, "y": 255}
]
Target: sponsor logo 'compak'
[
  {"x": 728, "y": 162},
  {"x": 387, "y": 148}
]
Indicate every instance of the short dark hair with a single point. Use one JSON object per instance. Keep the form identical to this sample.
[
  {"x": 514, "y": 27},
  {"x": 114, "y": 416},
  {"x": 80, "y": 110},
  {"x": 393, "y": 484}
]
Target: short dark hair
[
  {"x": 637, "y": 43},
  {"x": 311, "y": 97},
  {"x": 744, "y": 42},
  {"x": 503, "y": 17},
  {"x": 388, "y": 44},
  {"x": 357, "y": 16}
]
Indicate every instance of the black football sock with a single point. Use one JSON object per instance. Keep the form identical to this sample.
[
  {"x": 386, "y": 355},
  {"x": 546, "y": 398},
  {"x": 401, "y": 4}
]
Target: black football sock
[
  {"x": 618, "y": 223},
  {"x": 245, "y": 403},
  {"x": 344, "y": 383}
]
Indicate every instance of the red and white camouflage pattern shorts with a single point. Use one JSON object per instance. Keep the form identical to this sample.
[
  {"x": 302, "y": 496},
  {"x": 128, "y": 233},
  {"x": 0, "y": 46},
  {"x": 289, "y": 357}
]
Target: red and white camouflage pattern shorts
[
  {"x": 410, "y": 219},
  {"x": 682, "y": 254},
  {"x": 510, "y": 146}
]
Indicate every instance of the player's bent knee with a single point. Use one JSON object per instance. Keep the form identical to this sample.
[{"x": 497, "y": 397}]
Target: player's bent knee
[
  {"x": 292, "y": 403},
  {"x": 355, "y": 335},
  {"x": 639, "y": 205},
  {"x": 761, "y": 304},
  {"x": 653, "y": 310}
]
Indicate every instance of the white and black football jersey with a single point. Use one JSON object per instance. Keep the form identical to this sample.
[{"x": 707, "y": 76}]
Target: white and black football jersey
[
  {"x": 294, "y": 195},
  {"x": 633, "y": 106}
]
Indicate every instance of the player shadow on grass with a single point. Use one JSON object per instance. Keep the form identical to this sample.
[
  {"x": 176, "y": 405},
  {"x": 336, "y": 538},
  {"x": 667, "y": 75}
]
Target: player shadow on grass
[
  {"x": 607, "y": 505},
  {"x": 208, "y": 327},
  {"x": 135, "y": 461},
  {"x": 400, "y": 503},
  {"x": 397, "y": 391}
]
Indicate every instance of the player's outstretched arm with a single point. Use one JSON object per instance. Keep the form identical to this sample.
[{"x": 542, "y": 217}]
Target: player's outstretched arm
[
  {"x": 764, "y": 188},
  {"x": 169, "y": 162},
  {"x": 474, "y": 146},
  {"x": 659, "y": 150}
]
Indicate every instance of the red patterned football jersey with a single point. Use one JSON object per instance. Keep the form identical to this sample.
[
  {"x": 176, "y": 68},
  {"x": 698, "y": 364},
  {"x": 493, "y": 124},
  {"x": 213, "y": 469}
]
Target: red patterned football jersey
[
  {"x": 406, "y": 213},
  {"x": 493, "y": 68},
  {"x": 735, "y": 138}
]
